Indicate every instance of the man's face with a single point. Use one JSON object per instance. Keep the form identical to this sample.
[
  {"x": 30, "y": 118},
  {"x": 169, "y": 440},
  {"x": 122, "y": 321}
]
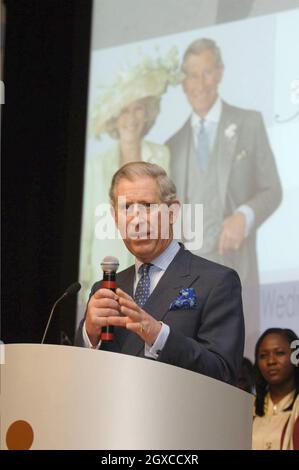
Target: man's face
[
  {"x": 202, "y": 76},
  {"x": 144, "y": 237}
]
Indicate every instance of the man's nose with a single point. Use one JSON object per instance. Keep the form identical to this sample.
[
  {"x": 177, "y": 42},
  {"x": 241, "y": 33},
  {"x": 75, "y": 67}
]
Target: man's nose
[
  {"x": 200, "y": 82},
  {"x": 139, "y": 212},
  {"x": 142, "y": 218}
]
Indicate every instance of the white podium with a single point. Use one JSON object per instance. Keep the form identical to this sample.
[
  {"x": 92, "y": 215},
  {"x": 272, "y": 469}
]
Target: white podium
[{"x": 76, "y": 398}]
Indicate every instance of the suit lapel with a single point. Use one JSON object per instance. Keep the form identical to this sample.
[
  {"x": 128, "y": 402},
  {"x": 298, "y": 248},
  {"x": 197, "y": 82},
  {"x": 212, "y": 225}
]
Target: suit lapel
[
  {"x": 225, "y": 148},
  {"x": 177, "y": 276}
]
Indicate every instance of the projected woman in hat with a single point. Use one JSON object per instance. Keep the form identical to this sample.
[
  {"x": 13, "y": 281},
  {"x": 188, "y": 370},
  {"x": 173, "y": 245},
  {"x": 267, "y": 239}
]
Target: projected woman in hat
[{"x": 126, "y": 111}]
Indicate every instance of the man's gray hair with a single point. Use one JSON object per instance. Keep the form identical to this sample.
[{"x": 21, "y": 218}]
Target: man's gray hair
[
  {"x": 201, "y": 45},
  {"x": 135, "y": 170}
]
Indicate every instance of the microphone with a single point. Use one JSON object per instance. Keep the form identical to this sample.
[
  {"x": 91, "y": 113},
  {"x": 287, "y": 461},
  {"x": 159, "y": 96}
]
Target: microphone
[
  {"x": 71, "y": 290},
  {"x": 110, "y": 266}
]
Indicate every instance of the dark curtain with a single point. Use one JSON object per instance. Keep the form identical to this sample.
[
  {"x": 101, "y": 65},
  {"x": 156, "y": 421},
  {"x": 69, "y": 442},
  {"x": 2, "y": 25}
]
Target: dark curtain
[{"x": 43, "y": 129}]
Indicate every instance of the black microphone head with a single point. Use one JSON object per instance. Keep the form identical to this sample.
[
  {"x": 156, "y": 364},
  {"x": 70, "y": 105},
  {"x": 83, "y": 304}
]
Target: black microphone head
[
  {"x": 110, "y": 264},
  {"x": 73, "y": 288}
]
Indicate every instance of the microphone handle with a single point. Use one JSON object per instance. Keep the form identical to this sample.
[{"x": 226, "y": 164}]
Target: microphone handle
[{"x": 108, "y": 282}]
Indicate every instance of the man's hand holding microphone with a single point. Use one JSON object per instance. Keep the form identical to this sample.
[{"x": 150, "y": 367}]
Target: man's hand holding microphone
[{"x": 110, "y": 306}]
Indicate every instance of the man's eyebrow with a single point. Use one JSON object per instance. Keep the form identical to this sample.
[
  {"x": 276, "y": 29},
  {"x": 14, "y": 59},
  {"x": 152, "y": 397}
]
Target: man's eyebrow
[{"x": 141, "y": 202}]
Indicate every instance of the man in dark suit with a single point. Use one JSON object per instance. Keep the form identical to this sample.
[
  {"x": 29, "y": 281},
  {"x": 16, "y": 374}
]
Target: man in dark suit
[
  {"x": 172, "y": 306},
  {"x": 221, "y": 158}
]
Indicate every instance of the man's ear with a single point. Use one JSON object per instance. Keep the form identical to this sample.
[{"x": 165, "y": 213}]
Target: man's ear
[
  {"x": 113, "y": 212},
  {"x": 220, "y": 73},
  {"x": 174, "y": 210}
]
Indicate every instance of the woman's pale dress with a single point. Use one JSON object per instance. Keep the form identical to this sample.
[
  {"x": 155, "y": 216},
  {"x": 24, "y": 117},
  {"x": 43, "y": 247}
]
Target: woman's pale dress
[{"x": 268, "y": 430}]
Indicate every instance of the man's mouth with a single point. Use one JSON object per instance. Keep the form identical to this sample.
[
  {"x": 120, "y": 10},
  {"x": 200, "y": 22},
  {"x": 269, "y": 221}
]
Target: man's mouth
[
  {"x": 143, "y": 236},
  {"x": 139, "y": 236},
  {"x": 200, "y": 96}
]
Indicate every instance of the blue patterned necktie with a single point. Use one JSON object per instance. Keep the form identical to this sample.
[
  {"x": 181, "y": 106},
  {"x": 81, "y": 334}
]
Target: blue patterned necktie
[
  {"x": 202, "y": 146},
  {"x": 142, "y": 291}
]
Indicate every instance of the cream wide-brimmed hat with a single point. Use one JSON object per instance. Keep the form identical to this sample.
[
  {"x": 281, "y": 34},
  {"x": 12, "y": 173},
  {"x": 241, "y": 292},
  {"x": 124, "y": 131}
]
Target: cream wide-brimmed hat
[{"x": 150, "y": 77}]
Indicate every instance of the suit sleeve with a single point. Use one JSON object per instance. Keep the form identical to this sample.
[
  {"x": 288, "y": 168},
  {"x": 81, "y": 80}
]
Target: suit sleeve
[
  {"x": 268, "y": 191},
  {"x": 79, "y": 333},
  {"x": 217, "y": 349}
]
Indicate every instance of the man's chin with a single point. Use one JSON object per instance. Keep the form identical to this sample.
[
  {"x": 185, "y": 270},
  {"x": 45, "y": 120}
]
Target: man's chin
[
  {"x": 203, "y": 105},
  {"x": 141, "y": 246},
  {"x": 140, "y": 243},
  {"x": 201, "y": 109}
]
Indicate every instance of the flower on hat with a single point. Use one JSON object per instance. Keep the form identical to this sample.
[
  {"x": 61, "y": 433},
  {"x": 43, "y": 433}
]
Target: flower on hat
[{"x": 150, "y": 77}]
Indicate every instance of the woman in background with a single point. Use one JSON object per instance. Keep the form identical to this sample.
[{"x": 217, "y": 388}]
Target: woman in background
[
  {"x": 126, "y": 112},
  {"x": 276, "y": 416}
]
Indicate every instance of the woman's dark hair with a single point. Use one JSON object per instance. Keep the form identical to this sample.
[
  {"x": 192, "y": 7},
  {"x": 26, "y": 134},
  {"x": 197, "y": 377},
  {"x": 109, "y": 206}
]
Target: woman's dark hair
[
  {"x": 245, "y": 376},
  {"x": 260, "y": 383}
]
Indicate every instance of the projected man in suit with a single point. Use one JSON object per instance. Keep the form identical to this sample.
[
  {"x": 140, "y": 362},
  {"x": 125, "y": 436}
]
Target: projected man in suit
[
  {"x": 171, "y": 306},
  {"x": 222, "y": 159}
]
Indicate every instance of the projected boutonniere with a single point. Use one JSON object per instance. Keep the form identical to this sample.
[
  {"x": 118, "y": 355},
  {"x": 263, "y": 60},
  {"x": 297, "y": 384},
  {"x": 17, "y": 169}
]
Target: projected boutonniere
[{"x": 230, "y": 131}]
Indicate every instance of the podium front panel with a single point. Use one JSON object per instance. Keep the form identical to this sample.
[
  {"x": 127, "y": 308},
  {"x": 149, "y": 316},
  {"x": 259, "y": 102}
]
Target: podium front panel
[{"x": 76, "y": 398}]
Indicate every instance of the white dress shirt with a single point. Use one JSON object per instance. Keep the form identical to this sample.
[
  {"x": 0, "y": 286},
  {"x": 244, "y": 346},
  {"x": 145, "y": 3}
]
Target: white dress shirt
[
  {"x": 158, "y": 268},
  {"x": 211, "y": 121}
]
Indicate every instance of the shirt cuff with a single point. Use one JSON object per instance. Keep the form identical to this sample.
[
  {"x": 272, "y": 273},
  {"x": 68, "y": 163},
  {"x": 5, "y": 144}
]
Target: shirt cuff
[
  {"x": 249, "y": 218},
  {"x": 154, "y": 350},
  {"x": 86, "y": 340}
]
